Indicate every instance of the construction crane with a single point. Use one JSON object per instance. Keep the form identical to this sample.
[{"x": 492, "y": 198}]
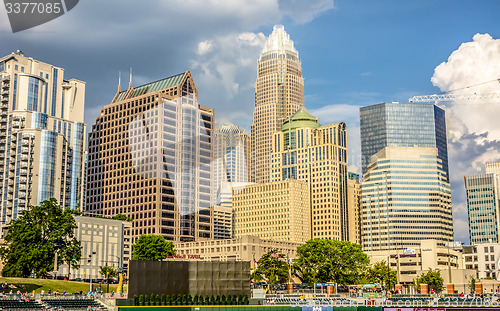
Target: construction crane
[{"x": 448, "y": 96}]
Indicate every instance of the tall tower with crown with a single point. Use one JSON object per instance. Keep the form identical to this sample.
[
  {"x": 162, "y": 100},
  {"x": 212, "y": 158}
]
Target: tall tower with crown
[{"x": 279, "y": 92}]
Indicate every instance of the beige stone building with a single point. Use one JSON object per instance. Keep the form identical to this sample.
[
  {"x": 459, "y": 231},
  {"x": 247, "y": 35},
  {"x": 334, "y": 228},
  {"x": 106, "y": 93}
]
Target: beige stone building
[
  {"x": 245, "y": 248},
  {"x": 42, "y": 136},
  {"x": 354, "y": 207},
  {"x": 150, "y": 158},
  {"x": 427, "y": 254},
  {"x": 413, "y": 182},
  {"x": 317, "y": 155},
  {"x": 279, "y": 92},
  {"x": 105, "y": 242},
  {"x": 278, "y": 211}
]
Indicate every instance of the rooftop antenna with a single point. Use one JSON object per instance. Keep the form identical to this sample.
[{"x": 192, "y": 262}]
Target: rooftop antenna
[{"x": 119, "y": 81}]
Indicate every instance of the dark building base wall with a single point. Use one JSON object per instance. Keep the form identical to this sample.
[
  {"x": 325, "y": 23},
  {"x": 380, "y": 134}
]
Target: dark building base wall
[{"x": 189, "y": 277}]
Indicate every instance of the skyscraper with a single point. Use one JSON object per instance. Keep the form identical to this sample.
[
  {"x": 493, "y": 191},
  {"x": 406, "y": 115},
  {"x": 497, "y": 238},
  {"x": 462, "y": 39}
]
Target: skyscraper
[
  {"x": 231, "y": 149},
  {"x": 405, "y": 199},
  {"x": 306, "y": 151},
  {"x": 402, "y": 125},
  {"x": 483, "y": 205},
  {"x": 279, "y": 92},
  {"x": 150, "y": 159},
  {"x": 42, "y": 136}
]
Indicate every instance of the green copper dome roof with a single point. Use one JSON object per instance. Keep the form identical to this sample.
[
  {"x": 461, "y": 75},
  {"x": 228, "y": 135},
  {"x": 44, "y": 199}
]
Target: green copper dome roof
[{"x": 300, "y": 119}]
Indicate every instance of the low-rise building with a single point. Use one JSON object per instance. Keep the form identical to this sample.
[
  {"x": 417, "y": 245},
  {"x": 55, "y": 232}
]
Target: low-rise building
[
  {"x": 484, "y": 259},
  {"x": 246, "y": 248},
  {"x": 412, "y": 262},
  {"x": 105, "y": 242}
]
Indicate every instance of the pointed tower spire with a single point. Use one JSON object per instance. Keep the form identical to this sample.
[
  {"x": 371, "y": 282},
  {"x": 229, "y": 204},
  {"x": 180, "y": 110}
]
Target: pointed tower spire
[
  {"x": 119, "y": 81},
  {"x": 130, "y": 80}
]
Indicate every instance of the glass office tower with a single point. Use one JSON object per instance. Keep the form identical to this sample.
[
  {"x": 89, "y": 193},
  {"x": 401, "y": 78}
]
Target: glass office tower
[{"x": 402, "y": 125}]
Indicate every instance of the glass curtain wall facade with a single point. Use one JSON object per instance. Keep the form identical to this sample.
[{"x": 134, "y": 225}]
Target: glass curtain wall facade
[
  {"x": 483, "y": 203},
  {"x": 402, "y": 125},
  {"x": 405, "y": 199},
  {"x": 150, "y": 158},
  {"x": 42, "y": 136},
  {"x": 231, "y": 149}
]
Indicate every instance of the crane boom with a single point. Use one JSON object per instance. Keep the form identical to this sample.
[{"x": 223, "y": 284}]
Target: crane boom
[{"x": 451, "y": 97}]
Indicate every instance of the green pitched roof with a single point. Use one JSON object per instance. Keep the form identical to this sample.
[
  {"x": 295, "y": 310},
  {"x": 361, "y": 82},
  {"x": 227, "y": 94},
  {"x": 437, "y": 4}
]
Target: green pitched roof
[
  {"x": 301, "y": 118},
  {"x": 152, "y": 87}
]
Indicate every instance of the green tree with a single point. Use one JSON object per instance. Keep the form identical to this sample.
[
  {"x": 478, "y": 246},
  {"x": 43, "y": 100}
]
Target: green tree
[
  {"x": 472, "y": 284},
  {"x": 382, "y": 274},
  {"x": 108, "y": 272},
  {"x": 36, "y": 237},
  {"x": 324, "y": 260},
  {"x": 122, "y": 217},
  {"x": 152, "y": 247},
  {"x": 272, "y": 269},
  {"x": 432, "y": 278}
]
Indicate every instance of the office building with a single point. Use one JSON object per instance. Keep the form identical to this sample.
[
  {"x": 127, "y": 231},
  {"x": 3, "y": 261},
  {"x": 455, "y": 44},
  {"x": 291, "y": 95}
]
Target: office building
[
  {"x": 42, "y": 136},
  {"x": 105, "y": 242},
  {"x": 306, "y": 151},
  {"x": 354, "y": 207},
  {"x": 245, "y": 248},
  {"x": 279, "y": 92},
  {"x": 402, "y": 125},
  {"x": 484, "y": 259},
  {"x": 223, "y": 209},
  {"x": 150, "y": 159},
  {"x": 483, "y": 200},
  {"x": 278, "y": 211},
  {"x": 231, "y": 148},
  {"x": 413, "y": 182},
  {"x": 424, "y": 256}
]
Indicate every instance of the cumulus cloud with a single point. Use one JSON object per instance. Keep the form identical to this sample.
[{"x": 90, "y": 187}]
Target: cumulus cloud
[
  {"x": 472, "y": 125},
  {"x": 228, "y": 63}
]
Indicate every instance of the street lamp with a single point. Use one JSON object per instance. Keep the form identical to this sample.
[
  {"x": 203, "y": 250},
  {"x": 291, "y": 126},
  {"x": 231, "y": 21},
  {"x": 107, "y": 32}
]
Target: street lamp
[{"x": 91, "y": 264}]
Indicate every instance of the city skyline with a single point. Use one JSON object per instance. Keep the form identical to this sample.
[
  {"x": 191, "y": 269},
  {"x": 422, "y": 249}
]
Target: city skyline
[{"x": 223, "y": 60}]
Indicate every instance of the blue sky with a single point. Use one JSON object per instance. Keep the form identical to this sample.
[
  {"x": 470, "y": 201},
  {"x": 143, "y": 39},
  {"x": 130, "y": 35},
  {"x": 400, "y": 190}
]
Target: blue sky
[{"x": 353, "y": 52}]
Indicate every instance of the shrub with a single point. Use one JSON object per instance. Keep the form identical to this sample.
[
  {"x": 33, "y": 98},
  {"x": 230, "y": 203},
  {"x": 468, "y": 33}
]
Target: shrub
[
  {"x": 223, "y": 300},
  {"x": 162, "y": 299},
  {"x": 240, "y": 299},
  {"x": 245, "y": 300},
  {"x": 179, "y": 299},
  {"x": 136, "y": 300},
  {"x": 152, "y": 299},
  {"x": 207, "y": 300},
  {"x": 167, "y": 300},
  {"x": 173, "y": 300},
  {"x": 141, "y": 299},
  {"x": 195, "y": 299},
  {"x": 189, "y": 299},
  {"x": 184, "y": 299}
]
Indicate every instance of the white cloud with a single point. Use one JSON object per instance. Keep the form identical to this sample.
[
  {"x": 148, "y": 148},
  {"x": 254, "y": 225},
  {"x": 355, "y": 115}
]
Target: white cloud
[
  {"x": 472, "y": 126},
  {"x": 304, "y": 11},
  {"x": 204, "y": 47}
]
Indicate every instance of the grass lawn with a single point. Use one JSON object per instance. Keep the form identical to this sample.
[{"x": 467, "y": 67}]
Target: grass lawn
[{"x": 53, "y": 285}]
